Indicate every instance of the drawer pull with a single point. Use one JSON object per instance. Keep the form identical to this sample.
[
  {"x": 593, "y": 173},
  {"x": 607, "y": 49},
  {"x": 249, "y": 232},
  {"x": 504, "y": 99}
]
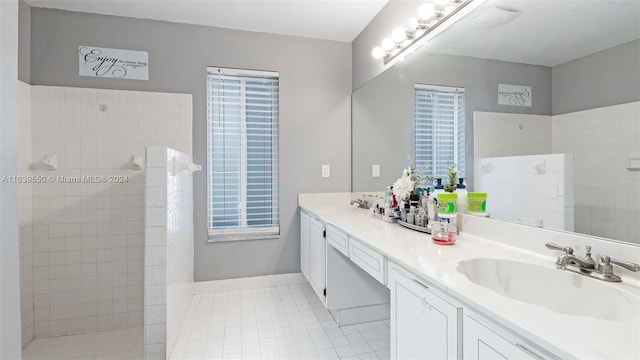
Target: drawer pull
[
  {"x": 525, "y": 349},
  {"x": 421, "y": 284},
  {"x": 426, "y": 304}
]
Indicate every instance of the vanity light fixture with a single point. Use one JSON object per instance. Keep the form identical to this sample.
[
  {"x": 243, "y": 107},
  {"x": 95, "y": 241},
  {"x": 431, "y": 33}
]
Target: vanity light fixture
[{"x": 433, "y": 18}]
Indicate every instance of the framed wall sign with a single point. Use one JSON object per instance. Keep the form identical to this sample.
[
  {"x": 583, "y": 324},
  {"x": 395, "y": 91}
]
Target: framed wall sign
[
  {"x": 514, "y": 95},
  {"x": 113, "y": 63}
]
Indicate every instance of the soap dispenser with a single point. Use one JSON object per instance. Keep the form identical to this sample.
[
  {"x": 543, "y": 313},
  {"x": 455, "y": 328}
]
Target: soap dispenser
[
  {"x": 439, "y": 187},
  {"x": 432, "y": 202}
]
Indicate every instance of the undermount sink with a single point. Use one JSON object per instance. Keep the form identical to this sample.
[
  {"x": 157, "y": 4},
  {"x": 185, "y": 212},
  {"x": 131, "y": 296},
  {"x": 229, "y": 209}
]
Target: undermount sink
[{"x": 556, "y": 290}]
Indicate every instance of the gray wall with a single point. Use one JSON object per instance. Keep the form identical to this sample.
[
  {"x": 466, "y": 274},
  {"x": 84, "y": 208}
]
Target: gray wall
[
  {"x": 605, "y": 78},
  {"x": 383, "y": 112},
  {"x": 365, "y": 67},
  {"x": 9, "y": 244},
  {"x": 315, "y": 88},
  {"x": 24, "y": 42}
]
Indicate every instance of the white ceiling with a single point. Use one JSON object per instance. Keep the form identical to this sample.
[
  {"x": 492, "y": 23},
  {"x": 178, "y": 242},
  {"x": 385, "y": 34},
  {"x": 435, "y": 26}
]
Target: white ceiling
[
  {"x": 545, "y": 33},
  {"x": 340, "y": 20}
]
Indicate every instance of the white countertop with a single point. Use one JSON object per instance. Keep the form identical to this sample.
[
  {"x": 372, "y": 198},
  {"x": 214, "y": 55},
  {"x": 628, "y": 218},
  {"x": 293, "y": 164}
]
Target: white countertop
[{"x": 564, "y": 335}]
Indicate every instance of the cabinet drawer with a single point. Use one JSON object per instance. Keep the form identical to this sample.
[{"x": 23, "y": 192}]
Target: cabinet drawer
[
  {"x": 484, "y": 341},
  {"x": 369, "y": 260},
  {"x": 338, "y": 240}
]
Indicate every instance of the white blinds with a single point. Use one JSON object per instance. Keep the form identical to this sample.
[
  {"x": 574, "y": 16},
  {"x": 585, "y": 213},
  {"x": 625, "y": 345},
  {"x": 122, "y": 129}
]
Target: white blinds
[
  {"x": 439, "y": 129},
  {"x": 242, "y": 118}
]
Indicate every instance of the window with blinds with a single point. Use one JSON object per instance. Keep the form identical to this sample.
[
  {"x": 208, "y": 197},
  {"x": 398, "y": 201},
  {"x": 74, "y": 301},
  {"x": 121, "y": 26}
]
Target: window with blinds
[
  {"x": 242, "y": 139},
  {"x": 439, "y": 129}
]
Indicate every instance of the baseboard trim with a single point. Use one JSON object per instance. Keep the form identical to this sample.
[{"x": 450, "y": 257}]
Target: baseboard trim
[
  {"x": 209, "y": 287},
  {"x": 361, "y": 314}
]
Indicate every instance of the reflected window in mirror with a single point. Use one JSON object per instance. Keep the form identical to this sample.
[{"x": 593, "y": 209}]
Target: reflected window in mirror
[{"x": 439, "y": 129}]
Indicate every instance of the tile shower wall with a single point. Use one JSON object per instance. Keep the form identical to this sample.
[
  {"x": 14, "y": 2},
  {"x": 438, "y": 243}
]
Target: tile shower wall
[
  {"x": 516, "y": 190},
  {"x": 169, "y": 254},
  {"x": 25, "y": 212},
  {"x": 602, "y": 141},
  {"x": 607, "y": 195},
  {"x": 88, "y": 235}
]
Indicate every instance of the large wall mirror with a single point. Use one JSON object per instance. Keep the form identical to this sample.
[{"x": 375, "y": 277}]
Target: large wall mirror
[{"x": 560, "y": 140}]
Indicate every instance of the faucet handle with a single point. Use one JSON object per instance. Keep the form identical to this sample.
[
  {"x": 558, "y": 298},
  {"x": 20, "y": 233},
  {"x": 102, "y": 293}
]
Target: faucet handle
[
  {"x": 607, "y": 269},
  {"x": 552, "y": 246},
  {"x": 625, "y": 264},
  {"x": 587, "y": 257}
]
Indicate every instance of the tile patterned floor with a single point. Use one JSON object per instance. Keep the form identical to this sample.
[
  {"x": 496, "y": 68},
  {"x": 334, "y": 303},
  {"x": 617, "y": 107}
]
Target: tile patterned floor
[
  {"x": 122, "y": 344},
  {"x": 282, "y": 322},
  {"x": 286, "y": 321}
]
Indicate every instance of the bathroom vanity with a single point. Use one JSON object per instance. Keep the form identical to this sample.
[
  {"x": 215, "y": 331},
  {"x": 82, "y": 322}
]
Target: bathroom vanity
[{"x": 496, "y": 293}]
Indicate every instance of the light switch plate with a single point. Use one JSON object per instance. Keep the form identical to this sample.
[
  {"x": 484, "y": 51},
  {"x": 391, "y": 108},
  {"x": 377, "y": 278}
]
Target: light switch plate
[
  {"x": 326, "y": 170},
  {"x": 375, "y": 170}
]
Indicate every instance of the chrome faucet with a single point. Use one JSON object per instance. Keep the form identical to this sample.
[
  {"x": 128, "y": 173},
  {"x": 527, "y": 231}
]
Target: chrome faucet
[
  {"x": 585, "y": 265},
  {"x": 362, "y": 204},
  {"x": 588, "y": 267}
]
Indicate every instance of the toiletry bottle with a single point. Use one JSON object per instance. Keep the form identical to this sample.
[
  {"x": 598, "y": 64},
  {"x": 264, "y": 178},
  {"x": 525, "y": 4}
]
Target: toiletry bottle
[
  {"x": 394, "y": 201},
  {"x": 421, "y": 218},
  {"x": 394, "y": 206},
  {"x": 425, "y": 198},
  {"x": 414, "y": 199},
  {"x": 463, "y": 202},
  {"x": 411, "y": 216},
  {"x": 387, "y": 210},
  {"x": 403, "y": 213},
  {"x": 439, "y": 187},
  {"x": 432, "y": 208}
]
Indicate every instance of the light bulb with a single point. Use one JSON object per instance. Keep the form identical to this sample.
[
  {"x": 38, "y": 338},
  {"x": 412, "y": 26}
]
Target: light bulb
[
  {"x": 377, "y": 52},
  {"x": 448, "y": 9},
  {"x": 412, "y": 24},
  {"x": 387, "y": 44},
  {"x": 398, "y": 35},
  {"x": 426, "y": 11}
]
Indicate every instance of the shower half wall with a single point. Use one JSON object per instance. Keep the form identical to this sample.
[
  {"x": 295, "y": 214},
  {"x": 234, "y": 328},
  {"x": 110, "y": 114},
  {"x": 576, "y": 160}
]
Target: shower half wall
[
  {"x": 169, "y": 284},
  {"x": 87, "y": 219}
]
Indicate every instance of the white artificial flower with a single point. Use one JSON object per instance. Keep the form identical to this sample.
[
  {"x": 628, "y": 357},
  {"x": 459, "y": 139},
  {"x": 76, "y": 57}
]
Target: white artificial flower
[{"x": 404, "y": 186}]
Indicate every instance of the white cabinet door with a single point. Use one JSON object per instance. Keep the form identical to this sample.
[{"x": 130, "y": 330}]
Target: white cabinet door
[
  {"x": 423, "y": 325},
  {"x": 304, "y": 244},
  {"x": 480, "y": 342},
  {"x": 317, "y": 257}
]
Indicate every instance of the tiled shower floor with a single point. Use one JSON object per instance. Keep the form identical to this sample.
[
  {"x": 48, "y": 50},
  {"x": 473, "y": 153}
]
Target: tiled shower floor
[
  {"x": 114, "y": 345},
  {"x": 283, "y": 322}
]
